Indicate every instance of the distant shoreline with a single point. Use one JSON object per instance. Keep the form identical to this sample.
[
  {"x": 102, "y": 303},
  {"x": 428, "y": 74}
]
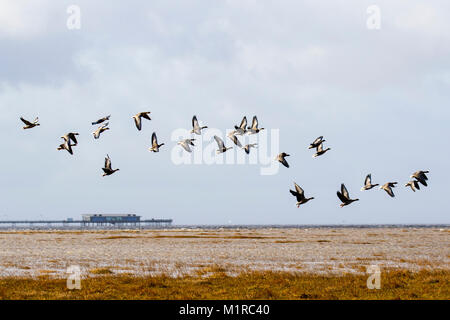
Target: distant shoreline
[
  {"x": 230, "y": 226},
  {"x": 305, "y": 226}
]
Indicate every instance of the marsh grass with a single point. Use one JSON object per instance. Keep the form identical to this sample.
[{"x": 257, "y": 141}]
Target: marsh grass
[
  {"x": 101, "y": 271},
  {"x": 397, "y": 284}
]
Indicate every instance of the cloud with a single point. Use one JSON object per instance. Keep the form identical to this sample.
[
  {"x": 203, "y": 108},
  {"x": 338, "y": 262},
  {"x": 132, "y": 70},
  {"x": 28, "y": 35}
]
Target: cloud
[
  {"x": 307, "y": 69},
  {"x": 24, "y": 19},
  {"x": 423, "y": 19}
]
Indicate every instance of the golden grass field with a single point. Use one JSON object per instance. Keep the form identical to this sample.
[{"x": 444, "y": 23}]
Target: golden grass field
[
  {"x": 268, "y": 285},
  {"x": 316, "y": 263}
]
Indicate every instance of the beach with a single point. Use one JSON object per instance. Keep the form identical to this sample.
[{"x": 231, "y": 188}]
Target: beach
[{"x": 187, "y": 252}]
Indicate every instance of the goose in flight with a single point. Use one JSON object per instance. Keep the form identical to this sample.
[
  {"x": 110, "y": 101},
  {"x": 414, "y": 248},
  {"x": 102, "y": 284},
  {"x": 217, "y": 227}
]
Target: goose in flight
[
  {"x": 316, "y": 143},
  {"x": 234, "y": 139},
  {"x": 196, "y": 127},
  {"x": 320, "y": 150},
  {"x": 344, "y": 196},
  {"x": 254, "y": 128},
  {"x": 421, "y": 177},
  {"x": 107, "y": 170},
  {"x": 282, "y": 160},
  {"x": 186, "y": 143},
  {"x": 221, "y": 145},
  {"x": 388, "y": 188},
  {"x": 138, "y": 118},
  {"x": 368, "y": 183},
  {"x": 100, "y": 129},
  {"x": 71, "y": 136},
  {"x": 29, "y": 124},
  {"x": 300, "y": 195},
  {"x": 248, "y": 146},
  {"x": 155, "y": 146},
  {"x": 66, "y": 146},
  {"x": 414, "y": 184},
  {"x": 242, "y": 128},
  {"x": 101, "y": 120}
]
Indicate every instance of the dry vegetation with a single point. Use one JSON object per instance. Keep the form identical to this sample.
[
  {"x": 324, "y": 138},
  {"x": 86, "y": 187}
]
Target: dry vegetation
[
  {"x": 317, "y": 263},
  {"x": 213, "y": 283}
]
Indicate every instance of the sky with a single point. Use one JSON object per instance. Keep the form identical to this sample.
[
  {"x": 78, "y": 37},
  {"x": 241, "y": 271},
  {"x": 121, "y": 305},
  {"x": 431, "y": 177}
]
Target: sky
[{"x": 380, "y": 97}]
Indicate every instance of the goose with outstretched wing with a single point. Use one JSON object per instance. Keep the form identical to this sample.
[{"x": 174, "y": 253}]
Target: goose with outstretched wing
[
  {"x": 388, "y": 188},
  {"x": 155, "y": 146},
  {"x": 299, "y": 193},
  {"x": 221, "y": 145},
  {"x": 282, "y": 159},
  {"x": 196, "y": 127},
  {"x": 248, "y": 146},
  {"x": 29, "y": 124},
  {"x": 368, "y": 183},
  {"x": 344, "y": 196},
  {"x": 101, "y": 120},
  {"x": 234, "y": 139},
  {"x": 320, "y": 150},
  {"x": 242, "y": 128},
  {"x": 413, "y": 184},
  {"x": 107, "y": 170},
  {"x": 254, "y": 128},
  {"x": 99, "y": 130},
  {"x": 421, "y": 177},
  {"x": 138, "y": 118},
  {"x": 186, "y": 143},
  {"x": 71, "y": 136},
  {"x": 316, "y": 143}
]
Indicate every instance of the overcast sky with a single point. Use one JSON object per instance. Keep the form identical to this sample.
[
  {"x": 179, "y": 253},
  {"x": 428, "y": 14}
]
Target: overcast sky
[{"x": 380, "y": 97}]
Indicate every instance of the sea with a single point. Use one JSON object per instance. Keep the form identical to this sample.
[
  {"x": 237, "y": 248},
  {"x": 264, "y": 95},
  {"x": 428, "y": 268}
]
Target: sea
[{"x": 219, "y": 227}]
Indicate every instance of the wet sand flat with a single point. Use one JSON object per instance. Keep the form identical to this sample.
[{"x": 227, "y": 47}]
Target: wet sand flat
[{"x": 179, "y": 252}]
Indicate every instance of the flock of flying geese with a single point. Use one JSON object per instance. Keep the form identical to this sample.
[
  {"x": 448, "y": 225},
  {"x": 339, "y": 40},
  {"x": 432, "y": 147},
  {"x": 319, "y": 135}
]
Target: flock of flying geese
[
  {"x": 343, "y": 195},
  {"x": 70, "y": 141}
]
